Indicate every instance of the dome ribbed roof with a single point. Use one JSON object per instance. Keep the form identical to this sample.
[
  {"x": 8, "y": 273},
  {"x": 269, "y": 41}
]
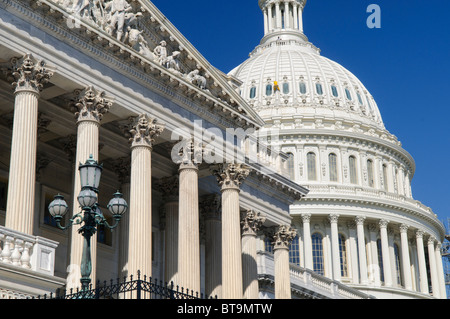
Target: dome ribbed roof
[{"x": 305, "y": 79}]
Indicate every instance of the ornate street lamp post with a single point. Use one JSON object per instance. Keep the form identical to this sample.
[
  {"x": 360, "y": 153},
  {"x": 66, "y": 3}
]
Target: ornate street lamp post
[{"x": 90, "y": 215}]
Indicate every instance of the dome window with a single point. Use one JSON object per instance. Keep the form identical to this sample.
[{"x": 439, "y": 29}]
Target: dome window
[
  {"x": 311, "y": 162},
  {"x": 253, "y": 92},
  {"x": 348, "y": 94},
  {"x": 302, "y": 88},
  {"x": 269, "y": 89},
  {"x": 334, "y": 91},
  {"x": 319, "y": 89},
  {"x": 359, "y": 99},
  {"x": 285, "y": 88}
]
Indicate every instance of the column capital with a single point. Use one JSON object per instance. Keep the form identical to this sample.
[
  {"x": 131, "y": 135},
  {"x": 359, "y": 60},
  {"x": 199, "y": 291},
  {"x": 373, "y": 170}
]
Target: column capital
[
  {"x": 230, "y": 175},
  {"x": 168, "y": 186},
  {"x": 306, "y": 218},
  {"x": 360, "y": 220},
  {"x": 211, "y": 206},
  {"x": 431, "y": 240},
  {"x": 122, "y": 168},
  {"x": 419, "y": 233},
  {"x": 404, "y": 228},
  {"x": 188, "y": 153},
  {"x": 29, "y": 74},
  {"x": 383, "y": 223},
  {"x": 283, "y": 237},
  {"x": 251, "y": 222},
  {"x": 90, "y": 104},
  {"x": 144, "y": 131},
  {"x": 333, "y": 218}
]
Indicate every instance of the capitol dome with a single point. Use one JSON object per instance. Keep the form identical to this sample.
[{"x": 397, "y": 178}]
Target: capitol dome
[{"x": 359, "y": 223}]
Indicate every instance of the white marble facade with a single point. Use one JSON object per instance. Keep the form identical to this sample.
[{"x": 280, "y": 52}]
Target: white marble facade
[{"x": 234, "y": 218}]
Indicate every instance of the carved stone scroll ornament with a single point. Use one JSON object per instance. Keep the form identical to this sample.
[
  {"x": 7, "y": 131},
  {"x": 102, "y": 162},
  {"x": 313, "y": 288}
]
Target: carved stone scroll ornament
[
  {"x": 90, "y": 104},
  {"x": 283, "y": 237},
  {"x": 230, "y": 175},
  {"x": 251, "y": 222},
  {"x": 144, "y": 131},
  {"x": 29, "y": 74}
]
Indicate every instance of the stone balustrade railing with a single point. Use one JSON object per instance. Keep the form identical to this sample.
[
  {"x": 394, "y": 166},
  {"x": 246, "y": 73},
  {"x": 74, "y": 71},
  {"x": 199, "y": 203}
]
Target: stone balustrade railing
[
  {"x": 30, "y": 252},
  {"x": 310, "y": 281}
]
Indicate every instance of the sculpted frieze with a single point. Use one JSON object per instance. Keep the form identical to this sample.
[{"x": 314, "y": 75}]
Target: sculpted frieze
[{"x": 121, "y": 20}]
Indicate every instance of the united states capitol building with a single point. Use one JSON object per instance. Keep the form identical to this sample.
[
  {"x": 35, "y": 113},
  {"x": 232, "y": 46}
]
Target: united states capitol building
[{"x": 276, "y": 180}]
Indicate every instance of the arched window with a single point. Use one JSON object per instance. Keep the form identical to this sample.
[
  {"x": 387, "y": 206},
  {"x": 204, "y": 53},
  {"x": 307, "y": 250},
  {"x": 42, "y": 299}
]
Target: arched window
[
  {"x": 302, "y": 88},
  {"x": 380, "y": 260},
  {"x": 253, "y": 92},
  {"x": 348, "y": 94},
  {"x": 352, "y": 170},
  {"x": 285, "y": 88},
  {"x": 294, "y": 252},
  {"x": 343, "y": 256},
  {"x": 269, "y": 89},
  {"x": 334, "y": 91},
  {"x": 370, "y": 173},
  {"x": 317, "y": 252},
  {"x": 398, "y": 265},
  {"x": 332, "y": 163},
  {"x": 290, "y": 166},
  {"x": 311, "y": 162},
  {"x": 319, "y": 89},
  {"x": 385, "y": 181}
]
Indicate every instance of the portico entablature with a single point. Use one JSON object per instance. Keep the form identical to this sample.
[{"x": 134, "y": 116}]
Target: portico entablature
[{"x": 396, "y": 212}]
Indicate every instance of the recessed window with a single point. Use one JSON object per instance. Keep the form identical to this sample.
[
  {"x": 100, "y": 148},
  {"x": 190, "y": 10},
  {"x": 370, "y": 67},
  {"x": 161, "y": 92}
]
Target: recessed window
[
  {"x": 285, "y": 88},
  {"x": 343, "y": 255},
  {"x": 352, "y": 170},
  {"x": 290, "y": 163},
  {"x": 317, "y": 252},
  {"x": 311, "y": 162},
  {"x": 348, "y": 94},
  {"x": 319, "y": 89},
  {"x": 359, "y": 99},
  {"x": 334, "y": 91},
  {"x": 332, "y": 163},
  {"x": 269, "y": 89},
  {"x": 370, "y": 173},
  {"x": 302, "y": 88},
  {"x": 294, "y": 252},
  {"x": 252, "y": 92},
  {"x": 385, "y": 176}
]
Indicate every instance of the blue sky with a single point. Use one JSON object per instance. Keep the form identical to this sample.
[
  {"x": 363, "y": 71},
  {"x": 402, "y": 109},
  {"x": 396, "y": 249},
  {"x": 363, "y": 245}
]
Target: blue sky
[{"x": 405, "y": 65}]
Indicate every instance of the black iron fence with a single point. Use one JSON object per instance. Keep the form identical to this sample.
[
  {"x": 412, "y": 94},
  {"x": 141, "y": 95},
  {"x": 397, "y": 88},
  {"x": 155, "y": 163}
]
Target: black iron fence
[{"x": 130, "y": 288}]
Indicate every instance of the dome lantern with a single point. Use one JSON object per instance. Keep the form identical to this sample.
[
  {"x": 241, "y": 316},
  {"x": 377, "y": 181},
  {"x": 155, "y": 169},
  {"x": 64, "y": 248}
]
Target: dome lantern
[{"x": 282, "y": 18}]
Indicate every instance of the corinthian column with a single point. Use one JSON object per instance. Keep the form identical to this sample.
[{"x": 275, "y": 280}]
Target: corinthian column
[
  {"x": 90, "y": 105},
  {"x": 211, "y": 212},
  {"x": 422, "y": 264},
  {"x": 29, "y": 75},
  {"x": 433, "y": 268},
  {"x": 333, "y": 218},
  {"x": 169, "y": 189},
  {"x": 385, "y": 253},
  {"x": 230, "y": 177},
  {"x": 143, "y": 134},
  {"x": 251, "y": 223},
  {"x": 361, "y": 249},
  {"x": 281, "y": 241},
  {"x": 406, "y": 263},
  {"x": 188, "y": 218}
]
